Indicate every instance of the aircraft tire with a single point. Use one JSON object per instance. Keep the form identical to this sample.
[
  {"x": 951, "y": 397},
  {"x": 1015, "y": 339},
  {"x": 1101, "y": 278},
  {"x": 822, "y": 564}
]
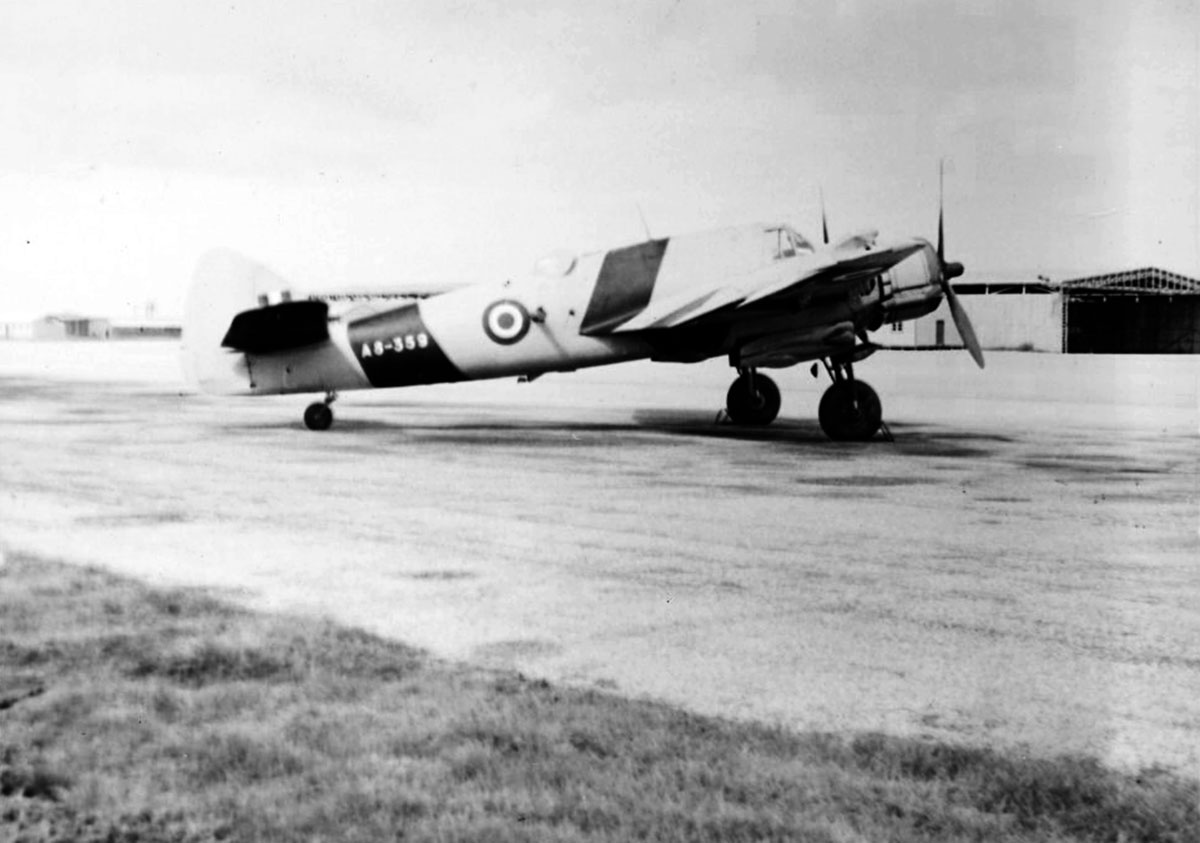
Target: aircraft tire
[
  {"x": 753, "y": 402},
  {"x": 318, "y": 416},
  {"x": 850, "y": 411}
]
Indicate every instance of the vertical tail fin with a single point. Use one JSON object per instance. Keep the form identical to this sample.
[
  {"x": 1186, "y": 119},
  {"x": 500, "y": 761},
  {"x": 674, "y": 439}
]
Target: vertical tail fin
[{"x": 224, "y": 284}]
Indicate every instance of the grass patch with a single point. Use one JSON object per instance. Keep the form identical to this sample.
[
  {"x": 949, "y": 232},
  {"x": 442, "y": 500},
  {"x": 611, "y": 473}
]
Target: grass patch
[{"x": 141, "y": 714}]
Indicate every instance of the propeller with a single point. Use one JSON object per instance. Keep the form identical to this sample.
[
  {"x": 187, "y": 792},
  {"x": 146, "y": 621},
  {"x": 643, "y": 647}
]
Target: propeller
[{"x": 950, "y": 270}]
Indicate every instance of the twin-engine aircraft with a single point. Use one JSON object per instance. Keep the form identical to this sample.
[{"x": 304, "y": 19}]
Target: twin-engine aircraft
[{"x": 761, "y": 295}]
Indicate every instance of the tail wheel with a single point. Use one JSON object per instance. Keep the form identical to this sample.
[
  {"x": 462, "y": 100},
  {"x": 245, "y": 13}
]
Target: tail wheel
[
  {"x": 753, "y": 400},
  {"x": 318, "y": 416},
  {"x": 850, "y": 411}
]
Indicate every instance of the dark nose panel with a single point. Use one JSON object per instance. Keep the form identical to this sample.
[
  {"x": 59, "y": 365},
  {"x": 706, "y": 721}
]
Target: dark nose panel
[{"x": 395, "y": 348}]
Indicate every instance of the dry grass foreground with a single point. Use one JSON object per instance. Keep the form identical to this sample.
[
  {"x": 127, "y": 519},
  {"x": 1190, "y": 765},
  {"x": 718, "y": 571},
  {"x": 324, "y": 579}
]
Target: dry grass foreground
[{"x": 128, "y": 713}]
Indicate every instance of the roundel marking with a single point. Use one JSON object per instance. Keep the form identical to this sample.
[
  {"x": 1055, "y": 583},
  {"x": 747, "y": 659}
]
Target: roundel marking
[{"x": 506, "y": 321}]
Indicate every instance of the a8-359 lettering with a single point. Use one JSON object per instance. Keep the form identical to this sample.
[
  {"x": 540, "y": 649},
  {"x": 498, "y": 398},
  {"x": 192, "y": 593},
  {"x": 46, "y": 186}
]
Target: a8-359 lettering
[{"x": 398, "y": 344}]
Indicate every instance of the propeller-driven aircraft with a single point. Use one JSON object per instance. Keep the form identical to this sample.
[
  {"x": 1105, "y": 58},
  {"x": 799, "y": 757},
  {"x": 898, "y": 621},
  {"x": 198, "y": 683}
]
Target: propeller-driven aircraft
[{"x": 761, "y": 295}]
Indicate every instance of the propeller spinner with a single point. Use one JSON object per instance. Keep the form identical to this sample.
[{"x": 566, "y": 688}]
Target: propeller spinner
[{"x": 954, "y": 269}]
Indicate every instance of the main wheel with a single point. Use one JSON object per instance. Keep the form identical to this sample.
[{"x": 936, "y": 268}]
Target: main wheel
[
  {"x": 318, "y": 416},
  {"x": 850, "y": 411},
  {"x": 753, "y": 400}
]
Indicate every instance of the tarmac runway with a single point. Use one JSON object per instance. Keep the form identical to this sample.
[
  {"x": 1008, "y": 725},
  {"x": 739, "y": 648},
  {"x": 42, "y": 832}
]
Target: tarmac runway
[{"x": 1020, "y": 567}]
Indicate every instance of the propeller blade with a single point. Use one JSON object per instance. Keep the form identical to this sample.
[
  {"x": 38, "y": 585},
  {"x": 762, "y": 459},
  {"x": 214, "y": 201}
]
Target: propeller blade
[
  {"x": 950, "y": 270},
  {"x": 941, "y": 245},
  {"x": 963, "y": 322},
  {"x": 824, "y": 224}
]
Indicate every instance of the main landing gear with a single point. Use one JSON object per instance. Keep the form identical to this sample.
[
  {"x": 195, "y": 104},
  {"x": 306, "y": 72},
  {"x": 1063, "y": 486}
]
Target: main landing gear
[
  {"x": 850, "y": 410},
  {"x": 319, "y": 416},
  {"x": 753, "y": 399}
]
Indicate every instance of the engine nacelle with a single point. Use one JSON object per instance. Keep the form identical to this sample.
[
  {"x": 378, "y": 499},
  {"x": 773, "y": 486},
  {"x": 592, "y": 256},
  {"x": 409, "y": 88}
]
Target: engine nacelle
[{"x": 910, "y": 289}]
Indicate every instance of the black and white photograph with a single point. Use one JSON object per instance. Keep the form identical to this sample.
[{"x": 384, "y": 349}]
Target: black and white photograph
[{"x": 557, "y": 421}]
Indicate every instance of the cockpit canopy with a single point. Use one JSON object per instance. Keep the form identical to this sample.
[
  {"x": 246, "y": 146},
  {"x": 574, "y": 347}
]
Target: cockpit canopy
[
  {"x": 782, "y": 241},
  {"x": 730, "y": 249}
]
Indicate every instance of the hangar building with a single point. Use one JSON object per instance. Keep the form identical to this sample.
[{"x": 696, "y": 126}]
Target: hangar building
[
  {"x": 1141, "y": 311},
  {"x": 1144, "y": 311}
]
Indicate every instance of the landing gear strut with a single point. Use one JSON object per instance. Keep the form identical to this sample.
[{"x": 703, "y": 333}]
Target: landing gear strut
[
  {"x": 850, "y": 410},
  {"x": 319, "y": 416},
  {"x": 753, "y": 399}
]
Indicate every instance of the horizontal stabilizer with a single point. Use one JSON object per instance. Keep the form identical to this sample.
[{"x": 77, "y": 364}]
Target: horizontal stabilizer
[{"x": 278, "y": 327}]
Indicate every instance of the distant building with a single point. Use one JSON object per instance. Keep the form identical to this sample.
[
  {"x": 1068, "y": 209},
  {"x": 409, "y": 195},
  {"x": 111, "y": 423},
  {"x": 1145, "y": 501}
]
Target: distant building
[
  {"x": 70, "y": 326},
  {"x": 1141, "y": 311},
  {"x": 16, "y": 330},
  {"x": 146, "y": 326},
  {"x": 146, "y": 329}
]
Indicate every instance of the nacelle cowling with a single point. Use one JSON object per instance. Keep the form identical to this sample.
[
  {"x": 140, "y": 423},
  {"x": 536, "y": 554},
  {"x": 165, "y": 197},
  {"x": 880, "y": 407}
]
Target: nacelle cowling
[{"x": 911, "y": 288}]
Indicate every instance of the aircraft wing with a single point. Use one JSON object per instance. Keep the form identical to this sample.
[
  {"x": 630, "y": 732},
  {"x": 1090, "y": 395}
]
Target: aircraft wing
[
  {"x": 841, "y": 272},
  {"x": 765, "y": 287}
]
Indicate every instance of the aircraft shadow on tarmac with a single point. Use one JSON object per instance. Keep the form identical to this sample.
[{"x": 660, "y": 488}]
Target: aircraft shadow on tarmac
[{"x": 485, "y": 426}]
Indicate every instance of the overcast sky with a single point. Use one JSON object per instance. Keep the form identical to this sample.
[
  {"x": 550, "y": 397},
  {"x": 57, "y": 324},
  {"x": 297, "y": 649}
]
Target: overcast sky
[{"x": 377, "y": 142}]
